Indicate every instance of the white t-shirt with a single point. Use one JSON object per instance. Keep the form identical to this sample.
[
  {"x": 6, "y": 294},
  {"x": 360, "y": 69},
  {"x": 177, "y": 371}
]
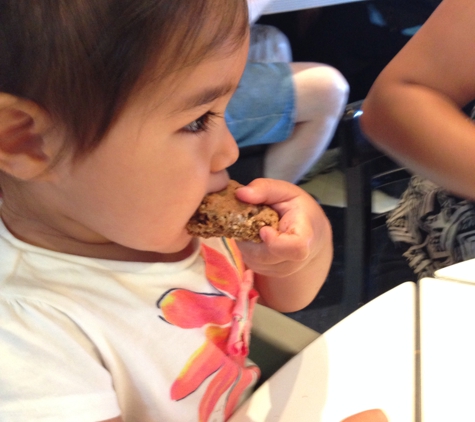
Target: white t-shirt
[{"x": 86, "y": 339}]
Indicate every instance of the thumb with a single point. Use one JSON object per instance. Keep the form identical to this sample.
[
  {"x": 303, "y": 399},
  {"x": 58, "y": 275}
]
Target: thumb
[{"x": 266, "y": 191}]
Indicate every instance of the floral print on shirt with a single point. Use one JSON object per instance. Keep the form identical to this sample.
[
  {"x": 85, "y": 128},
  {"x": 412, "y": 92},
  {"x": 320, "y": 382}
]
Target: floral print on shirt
[{"x": 225, "y": 317}]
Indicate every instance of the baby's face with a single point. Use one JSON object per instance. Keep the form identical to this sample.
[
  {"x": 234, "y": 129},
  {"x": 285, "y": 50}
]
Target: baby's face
[{"x": 168, "y": 148}]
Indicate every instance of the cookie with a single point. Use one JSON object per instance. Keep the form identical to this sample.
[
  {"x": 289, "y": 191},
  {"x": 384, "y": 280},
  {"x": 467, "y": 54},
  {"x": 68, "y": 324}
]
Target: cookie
[{"x": 221, "y": 214}]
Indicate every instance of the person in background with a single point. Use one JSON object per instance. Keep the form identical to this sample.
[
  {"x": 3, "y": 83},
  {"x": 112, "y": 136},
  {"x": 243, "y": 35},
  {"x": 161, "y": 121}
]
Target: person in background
[
  {"x": 293, "y": 107},
  {"x": 414, "y": 112}
]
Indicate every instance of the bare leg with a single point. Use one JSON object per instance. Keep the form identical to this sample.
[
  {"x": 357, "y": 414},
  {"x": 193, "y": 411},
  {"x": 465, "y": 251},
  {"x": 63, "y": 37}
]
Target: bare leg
[{"x": 321, "y": 94}]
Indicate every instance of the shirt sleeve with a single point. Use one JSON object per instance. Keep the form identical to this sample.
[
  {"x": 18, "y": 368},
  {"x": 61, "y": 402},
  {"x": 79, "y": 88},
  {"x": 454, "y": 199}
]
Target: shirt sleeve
[{"x": 50, "y": 371}]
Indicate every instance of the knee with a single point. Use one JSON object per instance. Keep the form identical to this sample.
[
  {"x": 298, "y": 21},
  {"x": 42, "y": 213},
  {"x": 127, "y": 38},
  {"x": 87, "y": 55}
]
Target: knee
[
  {"x": 320, "y": 89},
  {"x": 331, "y": 89}
]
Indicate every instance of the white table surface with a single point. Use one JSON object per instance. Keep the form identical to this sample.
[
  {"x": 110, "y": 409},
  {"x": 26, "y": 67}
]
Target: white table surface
[
  {"x": 463, "y": 271},
  {"x": 447, "y": 343},
  {"x": 278, "y": 6},
  {"x": 366, "y": 361}
]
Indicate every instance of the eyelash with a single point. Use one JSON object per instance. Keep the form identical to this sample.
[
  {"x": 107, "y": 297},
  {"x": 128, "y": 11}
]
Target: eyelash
[{"x": 201, "y": 124}]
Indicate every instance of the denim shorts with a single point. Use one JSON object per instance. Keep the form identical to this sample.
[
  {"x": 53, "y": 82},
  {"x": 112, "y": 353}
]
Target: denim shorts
[{"x": 262, "y": 110}]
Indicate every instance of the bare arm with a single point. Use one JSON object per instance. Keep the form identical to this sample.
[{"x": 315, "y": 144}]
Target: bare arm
[
  {"x": 290, "y": 293},
  {"x": 413, "y": 109},
  {"x": 292, "y": 264}
]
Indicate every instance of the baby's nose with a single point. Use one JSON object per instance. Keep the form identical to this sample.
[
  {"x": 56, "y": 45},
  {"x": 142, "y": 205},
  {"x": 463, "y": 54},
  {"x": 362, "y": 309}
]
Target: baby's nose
[{"x": 226, "y": 154}]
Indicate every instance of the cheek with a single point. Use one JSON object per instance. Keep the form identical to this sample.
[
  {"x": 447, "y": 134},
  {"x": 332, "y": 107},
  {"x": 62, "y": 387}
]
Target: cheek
[
  {"x": 163, "y": 231},
  {"x": 139, "y": 199},
  {"x": 158, "y": 219}
]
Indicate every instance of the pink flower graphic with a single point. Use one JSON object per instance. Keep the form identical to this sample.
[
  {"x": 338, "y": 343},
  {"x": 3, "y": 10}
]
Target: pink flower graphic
[{"x": 225, "y": 318}]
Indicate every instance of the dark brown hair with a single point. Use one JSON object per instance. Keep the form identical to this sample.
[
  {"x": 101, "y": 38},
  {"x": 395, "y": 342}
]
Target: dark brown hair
[{"x": 81, "y": 59}]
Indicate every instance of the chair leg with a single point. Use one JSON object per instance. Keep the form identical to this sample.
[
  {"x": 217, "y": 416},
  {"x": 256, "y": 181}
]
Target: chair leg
[{"x": 357, "y": 233}]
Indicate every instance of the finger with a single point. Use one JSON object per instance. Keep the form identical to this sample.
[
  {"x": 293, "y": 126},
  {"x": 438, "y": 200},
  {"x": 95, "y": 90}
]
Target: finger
[
  {"x": 373, "y": 415},
  {"x": 267, "y": 191},
  {"x": 268, "y": 252},
  {"x": 288, "y": 246},
  {"x": 277, "y": 247},
  {"x": 268, "y": 234}
]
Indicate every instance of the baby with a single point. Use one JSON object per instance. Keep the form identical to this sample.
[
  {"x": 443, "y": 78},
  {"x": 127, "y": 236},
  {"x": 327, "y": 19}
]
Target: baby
[{"x": 111, "y": 134}]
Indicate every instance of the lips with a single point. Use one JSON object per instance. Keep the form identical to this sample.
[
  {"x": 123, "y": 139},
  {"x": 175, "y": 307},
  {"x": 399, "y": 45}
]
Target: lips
[{"x": 219, "y": 183}]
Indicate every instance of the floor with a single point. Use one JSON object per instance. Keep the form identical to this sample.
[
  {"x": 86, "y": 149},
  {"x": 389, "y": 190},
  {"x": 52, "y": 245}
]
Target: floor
[
  {"x": 343, "y": 37},
  {"x": 329, "y": 188}
]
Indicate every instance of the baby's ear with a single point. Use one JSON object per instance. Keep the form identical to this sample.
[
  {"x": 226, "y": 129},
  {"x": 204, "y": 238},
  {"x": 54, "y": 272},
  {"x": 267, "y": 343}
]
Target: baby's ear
[{"x": 23, "y": 126}]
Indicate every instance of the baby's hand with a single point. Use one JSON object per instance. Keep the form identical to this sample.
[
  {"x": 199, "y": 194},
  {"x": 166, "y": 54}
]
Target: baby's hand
[{"x": 298, "y": 240}]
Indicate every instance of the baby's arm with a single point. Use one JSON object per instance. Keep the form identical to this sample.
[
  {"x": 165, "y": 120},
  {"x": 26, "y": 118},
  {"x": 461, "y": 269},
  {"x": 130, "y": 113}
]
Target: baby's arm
[
  {"x": 413, "y": 109},
  {"x": 292, "y": 264}
]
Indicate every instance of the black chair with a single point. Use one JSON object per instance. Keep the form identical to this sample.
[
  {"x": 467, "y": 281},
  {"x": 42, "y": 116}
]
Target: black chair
[{"x": 366, "y": 169}]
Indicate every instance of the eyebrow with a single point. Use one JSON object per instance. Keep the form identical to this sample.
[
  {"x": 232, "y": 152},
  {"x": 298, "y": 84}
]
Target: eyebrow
[{"x": 204, "y": 97}]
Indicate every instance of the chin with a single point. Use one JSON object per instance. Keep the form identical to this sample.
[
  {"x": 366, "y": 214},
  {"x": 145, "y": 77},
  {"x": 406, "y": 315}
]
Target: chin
[
  {"x": 180, "y": 243},
  {"x": 169, "y": 243}
]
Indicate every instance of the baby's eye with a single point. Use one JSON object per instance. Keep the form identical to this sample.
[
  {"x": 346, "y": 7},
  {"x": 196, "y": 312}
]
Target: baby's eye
[{"x": 201, "y": 124}]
